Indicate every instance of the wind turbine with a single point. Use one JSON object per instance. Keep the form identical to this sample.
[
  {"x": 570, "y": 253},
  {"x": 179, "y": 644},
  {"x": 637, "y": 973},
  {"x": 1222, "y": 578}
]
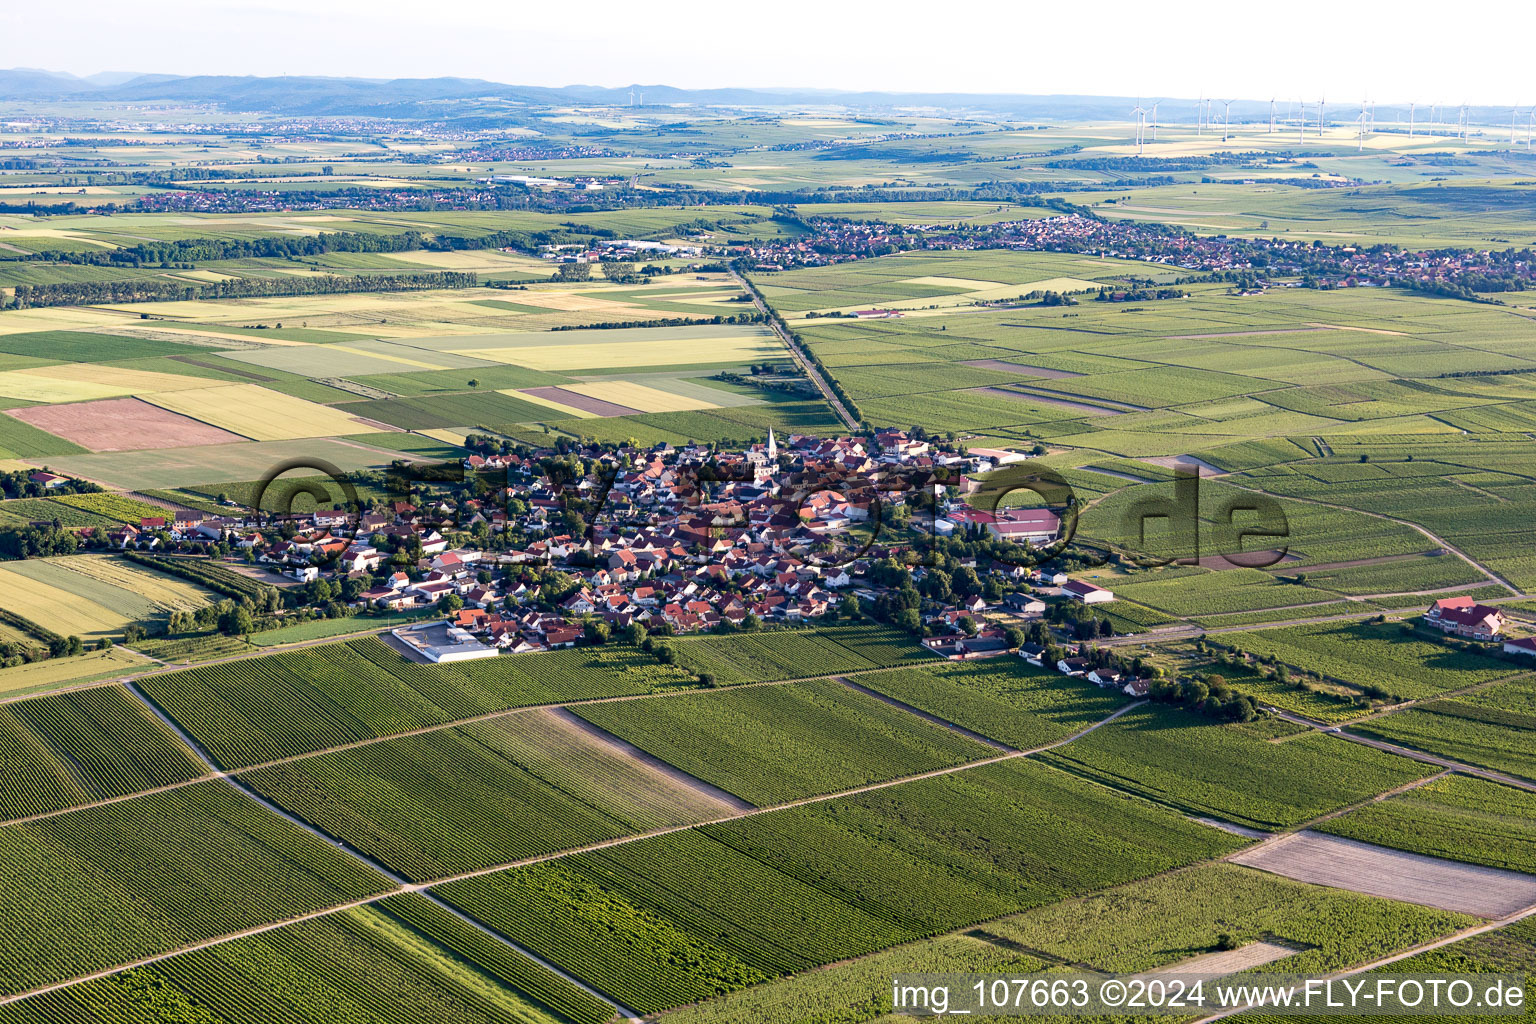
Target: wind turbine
[
  {"x": 1271, "y": 116},
  {"x": 1513, "y": 113},
  {"x": 1320, "y": 105},
  {"x": 631, "y": 97},
  {"x": 1410, "y": 120},
  {"x": 1301, "y": 123},
  {"x": 1361, "y": 119},
  {"x": 1199, "y": 116},
  {"x": 1154, "y": 122},
  {"x": 1141, "y": 123},
  {"x": 1226, "y": 119},
  {"x": 1464, "y": 124}
]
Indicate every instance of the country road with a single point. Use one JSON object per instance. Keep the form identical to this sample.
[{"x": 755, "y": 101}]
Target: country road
[{"x": 809, "y": 367}]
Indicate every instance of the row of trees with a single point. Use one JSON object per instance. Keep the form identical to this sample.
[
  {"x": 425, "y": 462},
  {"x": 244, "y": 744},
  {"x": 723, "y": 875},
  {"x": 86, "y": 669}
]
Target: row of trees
[{"x": 78, "y": 293}]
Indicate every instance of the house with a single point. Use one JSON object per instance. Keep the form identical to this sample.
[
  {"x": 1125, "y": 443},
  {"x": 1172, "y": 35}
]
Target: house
[
  {"x": 1026, "y": 526},
  {"x": 1525, "y": 645},
  {"x": 1136, "y": 687},
  {"x": 1073, "y": 666},
  {"x": 1032, "y": 653},
  {"x": 1023, "y": 604},
  {"x": 1464, "y": 617},
  {"x": 48, "y": 481},
  {"x": 305, "y": 573},
  {"x": 1106, "y": 677},
  {"x": 1087, "y": 592}
]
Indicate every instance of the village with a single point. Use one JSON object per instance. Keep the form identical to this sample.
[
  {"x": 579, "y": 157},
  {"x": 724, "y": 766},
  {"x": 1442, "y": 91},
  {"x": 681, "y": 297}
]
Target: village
[{"x": 666, "y": 539}]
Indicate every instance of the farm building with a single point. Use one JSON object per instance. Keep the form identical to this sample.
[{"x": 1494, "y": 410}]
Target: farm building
[
  {"x": 442, "y": 643},
  {"x": 1525, "y": 645},
  {"x": 1086, "y": 592}
]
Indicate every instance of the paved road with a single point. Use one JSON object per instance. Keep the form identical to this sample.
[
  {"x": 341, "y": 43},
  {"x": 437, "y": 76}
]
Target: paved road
[{"x": 809, "y": 367}]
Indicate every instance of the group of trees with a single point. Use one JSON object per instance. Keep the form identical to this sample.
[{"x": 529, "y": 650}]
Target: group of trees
[
  {"x": 78, "y": 293},
  {"x": 41, "y": 540},
  {"x": 19, "y": 484}
]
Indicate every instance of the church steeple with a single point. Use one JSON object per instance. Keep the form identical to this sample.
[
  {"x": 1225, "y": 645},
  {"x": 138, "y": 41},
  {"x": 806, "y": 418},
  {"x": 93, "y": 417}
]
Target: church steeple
[{"x": 773, "y": 448}]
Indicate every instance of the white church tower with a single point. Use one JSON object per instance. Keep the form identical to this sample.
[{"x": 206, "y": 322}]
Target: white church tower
[{"x": 773, "y": 448}]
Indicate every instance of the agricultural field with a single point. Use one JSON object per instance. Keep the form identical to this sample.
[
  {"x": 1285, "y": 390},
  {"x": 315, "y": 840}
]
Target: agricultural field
[
  {"x": 1388, "y": 656},
  {"x": 677, "y": 918},
  {"x": 1005, "y": 699},
  {"x": 796, "y": 654},
  {"x": 463, "y": 799},
  {"x": 1135, "y": 927},
  {"x": 82, "y": 746},
  {"x": 106, "y": 885},
  {"x": 365, "y": 963},
  {"x": 772, "y": 744},
  {"x": 53, "y": 673},
  {"x": 1458, "y": 817},
  {"x": 1172, "y": 757},
  {"x": 93, "y": 595},
  {"x": 251, "y": 711},
  {"x": 1473, "y": 729}
]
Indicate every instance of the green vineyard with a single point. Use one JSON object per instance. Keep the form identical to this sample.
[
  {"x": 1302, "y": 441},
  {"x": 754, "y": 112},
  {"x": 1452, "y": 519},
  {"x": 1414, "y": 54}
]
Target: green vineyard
[
  {"x": 772, "y": 744},
  {"x": 75, "y": 748}
]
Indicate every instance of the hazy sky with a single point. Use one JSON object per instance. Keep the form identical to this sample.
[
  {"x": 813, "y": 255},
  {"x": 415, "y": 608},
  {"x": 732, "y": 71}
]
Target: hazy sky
[{"x": 1346, "y": 51}]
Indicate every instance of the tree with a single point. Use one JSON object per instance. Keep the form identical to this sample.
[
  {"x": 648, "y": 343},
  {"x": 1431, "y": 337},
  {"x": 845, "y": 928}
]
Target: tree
[
  {"x": 235, "y": 622},
  {"x": 597, "y": 631},
  {"x": 907, "y": 619},
  {"x": 474, "y": 382},
  {"x": 1015, "y": 636},
  {"x": 450, "y": 603}
]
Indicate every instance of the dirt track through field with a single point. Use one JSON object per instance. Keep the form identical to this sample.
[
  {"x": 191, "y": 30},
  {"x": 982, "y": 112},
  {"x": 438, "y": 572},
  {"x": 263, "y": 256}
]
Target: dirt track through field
[
  {"x": 1019, "y": 368},
  {"x": 695, "y": 790},
  {"x": 424, "y": 887},
  {"x": 1393, "y": 874}
]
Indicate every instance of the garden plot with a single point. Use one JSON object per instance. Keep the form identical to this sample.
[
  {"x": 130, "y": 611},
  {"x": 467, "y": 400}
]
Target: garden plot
[{"x": 1377, "y": 871}]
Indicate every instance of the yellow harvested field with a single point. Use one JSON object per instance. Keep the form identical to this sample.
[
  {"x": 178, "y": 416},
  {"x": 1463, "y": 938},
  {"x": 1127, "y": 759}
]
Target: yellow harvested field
[
  {"x": 57, "y": 609},
  {"x": 259, "y": 414},
  {"x": 140, "y": 381},
  {"x": 30, "y": 388},
  {"x": 164, "y": 590},
  {"x": 453, "y": 435},
  {"x": 953, "y": 282},
  {"x": 576, "y": 302},
  {"x": 418, "y": 364},
  {"x": 57, "y": 318},
  {"x": 599, "y": 356},
  {"x": 564, "y": 410},
  {"x": 638, "y": 396},
  {"x": 79, "y": 382},
  {"x": 16, "y": 465}
]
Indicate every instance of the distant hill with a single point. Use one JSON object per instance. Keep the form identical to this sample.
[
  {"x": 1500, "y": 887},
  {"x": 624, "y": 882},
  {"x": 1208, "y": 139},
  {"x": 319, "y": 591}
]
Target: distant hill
[{"x": 455, "y": 97}]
